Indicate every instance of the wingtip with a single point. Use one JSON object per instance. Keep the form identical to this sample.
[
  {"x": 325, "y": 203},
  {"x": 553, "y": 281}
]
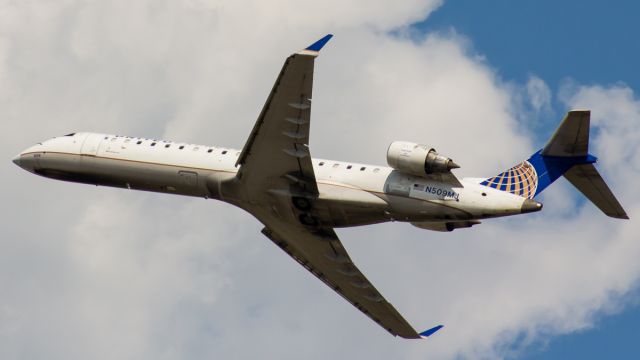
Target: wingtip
[
  {"x": 622, "y": 216},
  {"x": 318, "y": 45},
  {"x": 425, "y": 334}
]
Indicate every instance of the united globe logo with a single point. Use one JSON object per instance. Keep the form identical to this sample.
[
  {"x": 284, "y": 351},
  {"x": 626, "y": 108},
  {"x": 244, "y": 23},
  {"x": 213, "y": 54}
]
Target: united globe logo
[{"x": 521, "y": 180}]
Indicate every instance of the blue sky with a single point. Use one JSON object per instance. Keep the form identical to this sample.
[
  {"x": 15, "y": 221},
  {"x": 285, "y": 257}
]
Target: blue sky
[{"x": 590, "y": 42}]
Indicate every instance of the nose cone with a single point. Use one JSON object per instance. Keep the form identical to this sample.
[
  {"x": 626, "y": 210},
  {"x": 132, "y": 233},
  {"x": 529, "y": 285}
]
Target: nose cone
[
  {"x": 530, "y": 205},
  {"x": 16, "y": 160}
]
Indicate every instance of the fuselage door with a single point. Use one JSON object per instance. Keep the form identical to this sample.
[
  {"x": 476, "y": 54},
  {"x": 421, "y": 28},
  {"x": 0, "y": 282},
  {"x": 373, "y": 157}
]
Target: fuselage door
[
  {"x": 36, "y": 161},
  {"x": 91, "y": 144}
]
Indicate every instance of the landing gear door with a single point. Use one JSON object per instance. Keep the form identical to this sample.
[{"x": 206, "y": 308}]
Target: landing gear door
[
  {"x": 188, "y": 178},
  {"x": 91, "y": 144}
]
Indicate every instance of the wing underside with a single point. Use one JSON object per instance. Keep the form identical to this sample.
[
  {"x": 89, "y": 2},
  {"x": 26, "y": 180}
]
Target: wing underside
[
  {"x": 321, "y": 253},
  {"x": 275, "y": 167}
]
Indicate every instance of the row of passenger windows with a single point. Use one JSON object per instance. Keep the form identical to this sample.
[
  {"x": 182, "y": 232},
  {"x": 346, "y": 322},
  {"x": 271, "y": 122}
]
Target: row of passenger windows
[
  {"x": 181, "y": 147},
  {"x": 196, "y": 148},
  {"x": 349, "y": 167},
  {"x": 155, "y": 142}
]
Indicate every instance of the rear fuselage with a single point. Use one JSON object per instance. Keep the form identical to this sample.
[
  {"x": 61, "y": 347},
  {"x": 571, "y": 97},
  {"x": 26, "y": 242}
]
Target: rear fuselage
[{"x": 350, "y": 194}]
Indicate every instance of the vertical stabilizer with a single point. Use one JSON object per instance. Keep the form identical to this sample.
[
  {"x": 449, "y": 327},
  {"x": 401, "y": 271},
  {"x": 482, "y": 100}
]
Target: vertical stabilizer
[{"x": 571, "y": 138}]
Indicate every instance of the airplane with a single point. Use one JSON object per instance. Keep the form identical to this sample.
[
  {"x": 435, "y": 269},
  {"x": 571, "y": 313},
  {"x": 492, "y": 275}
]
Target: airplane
[{"x": 300, "y": 200}]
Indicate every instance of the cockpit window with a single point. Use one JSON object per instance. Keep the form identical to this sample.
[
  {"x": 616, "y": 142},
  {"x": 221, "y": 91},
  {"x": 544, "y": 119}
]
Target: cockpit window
[{"x": 70, "y": 134}]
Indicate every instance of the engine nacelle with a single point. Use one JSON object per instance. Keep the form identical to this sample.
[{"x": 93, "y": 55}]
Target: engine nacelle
[{"x": 417, "y": 159}]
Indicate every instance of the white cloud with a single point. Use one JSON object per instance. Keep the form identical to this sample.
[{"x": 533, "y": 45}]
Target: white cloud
[
  {"x": 539, "y": 93},
  {"x": 91, "y": 272}
]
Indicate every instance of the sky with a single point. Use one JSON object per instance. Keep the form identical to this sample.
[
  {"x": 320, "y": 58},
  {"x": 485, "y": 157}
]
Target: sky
[{"x": 103, "y": 273}]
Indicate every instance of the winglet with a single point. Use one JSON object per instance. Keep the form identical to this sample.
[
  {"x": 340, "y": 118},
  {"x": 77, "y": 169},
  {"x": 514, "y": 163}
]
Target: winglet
[
  {"x": 316, "y": 46},
  {"x": 427, "y": 333}
]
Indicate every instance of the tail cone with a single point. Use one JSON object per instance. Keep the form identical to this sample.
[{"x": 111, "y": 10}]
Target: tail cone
[{"x": 530, "y": 205}]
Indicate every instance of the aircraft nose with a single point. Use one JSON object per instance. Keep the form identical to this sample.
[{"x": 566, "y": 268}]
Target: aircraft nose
[{"x": 16, "y": 160}]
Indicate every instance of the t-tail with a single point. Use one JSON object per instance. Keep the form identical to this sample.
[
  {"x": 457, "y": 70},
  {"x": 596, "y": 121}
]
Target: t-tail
[{"x": 566, "y": 154}]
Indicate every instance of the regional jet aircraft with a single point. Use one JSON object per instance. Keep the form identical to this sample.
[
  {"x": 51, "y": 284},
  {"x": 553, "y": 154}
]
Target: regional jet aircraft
[{"x": 301, "y": 200}]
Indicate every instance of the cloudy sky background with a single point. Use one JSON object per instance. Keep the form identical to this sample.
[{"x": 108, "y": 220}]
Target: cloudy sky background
[{"x": 101, "y": 273}]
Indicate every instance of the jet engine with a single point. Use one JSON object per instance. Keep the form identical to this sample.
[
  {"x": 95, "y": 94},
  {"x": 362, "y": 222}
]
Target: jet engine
[{"x": 416, "y": 159}]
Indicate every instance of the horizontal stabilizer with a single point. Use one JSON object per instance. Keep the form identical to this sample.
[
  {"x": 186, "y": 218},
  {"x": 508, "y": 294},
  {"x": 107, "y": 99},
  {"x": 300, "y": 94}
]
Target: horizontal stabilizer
[
  {"x": 433, "y": 330},
  {"x": 572, "y": 136},
  {"x": 586, "y": 178}
]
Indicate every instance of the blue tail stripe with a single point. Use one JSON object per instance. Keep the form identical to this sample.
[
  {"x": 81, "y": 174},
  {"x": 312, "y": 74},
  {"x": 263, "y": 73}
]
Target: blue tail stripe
[{"x": 550, "y": 168}]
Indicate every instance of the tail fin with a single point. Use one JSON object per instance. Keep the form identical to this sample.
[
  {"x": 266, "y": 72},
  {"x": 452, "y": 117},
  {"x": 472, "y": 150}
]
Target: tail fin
[{"x": 566, "y": 153}]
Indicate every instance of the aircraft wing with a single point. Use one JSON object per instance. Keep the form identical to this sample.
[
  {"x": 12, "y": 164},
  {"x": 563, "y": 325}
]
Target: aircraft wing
[
  {"x": 278, "y": 148},
  {"x": 320, "y": 251},
  {"x": 275, "y": 164}
]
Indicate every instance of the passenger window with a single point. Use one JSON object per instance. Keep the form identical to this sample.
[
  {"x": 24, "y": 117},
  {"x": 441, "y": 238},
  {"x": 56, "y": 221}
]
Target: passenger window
[
  {"x": 321, "y": 163},
  {"x": 210, "y": 150},
  {"x": 224, "y": 152},
  {"x": 362, "y": 168},
  {"x": 153, "y": 144},
  {"x": 349, "y": 167},
  {"x": 166, "y": 146},
  {"x": 376, "y": 170},
  {"x": 181, "y": 147},
  {"x": 139, "y": 142},
  {"x": 335, "y": 165}
]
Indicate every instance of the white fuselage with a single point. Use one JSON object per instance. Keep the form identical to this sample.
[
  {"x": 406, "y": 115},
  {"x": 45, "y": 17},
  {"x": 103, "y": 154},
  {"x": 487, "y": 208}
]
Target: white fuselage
[{"x": 353, "y": 194}]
